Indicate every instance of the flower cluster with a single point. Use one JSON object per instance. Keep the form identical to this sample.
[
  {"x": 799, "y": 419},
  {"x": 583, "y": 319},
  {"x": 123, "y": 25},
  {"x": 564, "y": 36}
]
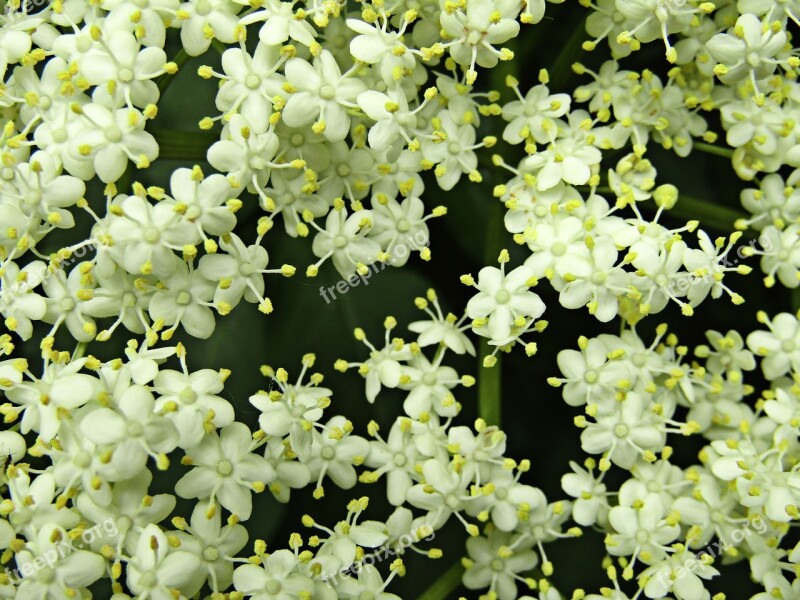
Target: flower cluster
[
  {"x": 666, "y": 525},
  {"x": 333, "y": 118}
]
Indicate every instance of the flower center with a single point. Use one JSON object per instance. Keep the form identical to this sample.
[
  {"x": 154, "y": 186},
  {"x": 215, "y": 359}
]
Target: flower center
[
  {"x": 429, "y": 379},
  {"x": 193, "y": 212},
  {"x": 590, "y": 376},
  {"x": 246, "y": 269},
  {"x": 452, "y": 501},
  {"x": 558, "y": 249},
  {"x": 59, "y": 135},
  {"x": 67, "y": 304},
  {"x": 210, "y": 554},
  {"x": 621, "y": 430},
  {"x": 327, "y": 91},
  {"x": 343, "y": 170},
  {"x": 454, "y": 148},
  {"x": 753, "y": 59},
  {"x": 149, "y": 579},
  {"x": 502, "y": 296},
  {"x": 400, "y": 459},
  {"x": 252, "y": 81},
  {"x": 135, "y": 429},
  {"x": 328, "y": 453},
  {"x": 183, "y": 298},
  {"x": 224, "y": 467},
  {"x": 113, "y": 134},
  {"x": 203, "y": 7},
  {"x": 340, "y": 241},
  {"x": 125, "y": 75},
  {"x": 598, "y": 278},
  {"x": 788, "y": 346},
  {"x": 501, "y": 493},
  {"x": 47, "y": 575},
  {"x": 188, "y": 395},
  {"x": 273, "y": 587},
  {"x": 497, "y": 565},
  {"x": 151, "y": 236},
  {"x": 82, "y": 460},
  {"x": 403, "y": 225}
]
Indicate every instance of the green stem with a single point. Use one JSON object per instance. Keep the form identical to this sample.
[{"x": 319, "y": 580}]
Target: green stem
[
  {"x": 712, "y": 149},
  {"x": 490, "y": 385},
  {"x": 79, "y": 351},
  {"x": 183, "y": 145},
  {"x": 163, "y": 82},
  {"x": 447, "y": 582},
  {"x": 718, "y": 217}
]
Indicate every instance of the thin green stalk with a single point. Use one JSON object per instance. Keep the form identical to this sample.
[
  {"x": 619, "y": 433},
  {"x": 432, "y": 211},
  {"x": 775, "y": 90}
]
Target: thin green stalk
[
  {"x": 718, "y": 217},
  {"x": 79, "y": 351},
  {"x": 712, "y": 149},
  {"x": 490, "y": 385},
  {"x": 165, "y": 80},
  {"x": 447, "y": 582},
  {"x": 183, "y": 145}
]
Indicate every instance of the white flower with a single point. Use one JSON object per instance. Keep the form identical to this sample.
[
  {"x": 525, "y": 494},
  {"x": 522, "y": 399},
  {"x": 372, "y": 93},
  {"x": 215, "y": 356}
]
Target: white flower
[
  {"x": 443, "y": 492},
  {"x": 68, "y": 574},
  {"x": 156, "y": 569},
  {"x": 145, "y": 235},
  {"x": 444, "y": 329},
  {"x": 185, "y": 300},
  {"x": 748, "y": 52},
  {"x": 779, "y": 348},
  {"x": 643, "y": 531},
  {"x": 503, "y": 300},
  {"x": 334, "y": 451},
  {"x": 527, "y": 115},
  {"x": 204, "y": 201},
  {"x": 475, "y": 28},
  {"x": 452, "y": 150},
  {"x": 278, "y": 577},
  {"x": 111, "y": 139},
  {"x": 214, "y": 545},
  {"x": 66, "y": 296},
  {"x": 292, "y": 409},
  {"x": 395, "y": 458},
  {"x": 493, "y": 564},
  {"x": 323, "y": 95},
  {"x": 19, "y": 304},
  {"x": 345, "y": 241},
  {"x": 46, "y": 402},
  {"x": 191, "y": 402},
  {"x": 133, "y": 430},
  {"x": 250, "y": 83},
  {"x": 590, "y": 505},
  {"x": 123, "y": 71},
  {"x": 226, "y": 471},
  {"x": 35, "y": 507},
  {"x": 280, "y": 24},
  {"x": 204, "y": 20}
]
